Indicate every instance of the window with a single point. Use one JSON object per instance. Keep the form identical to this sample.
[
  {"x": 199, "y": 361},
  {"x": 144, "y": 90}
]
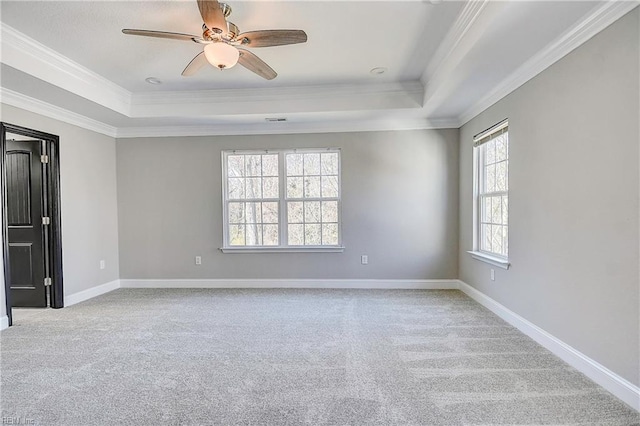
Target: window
[
  {"x": 281, "y": 200},
  {"x": 491, "y": 170},
  {"x": 252, "y": 199}
]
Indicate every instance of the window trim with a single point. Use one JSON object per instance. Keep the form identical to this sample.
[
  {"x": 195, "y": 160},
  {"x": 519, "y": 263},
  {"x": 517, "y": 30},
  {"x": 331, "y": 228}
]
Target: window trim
[
  {"x": 282, "y": 204},
  {"x": 492, "y": 260},
  {"x": 476, "y": 252}
]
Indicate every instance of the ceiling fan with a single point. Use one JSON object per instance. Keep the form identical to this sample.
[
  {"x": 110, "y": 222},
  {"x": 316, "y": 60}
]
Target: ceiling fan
[{"x": 223, "y": 42}]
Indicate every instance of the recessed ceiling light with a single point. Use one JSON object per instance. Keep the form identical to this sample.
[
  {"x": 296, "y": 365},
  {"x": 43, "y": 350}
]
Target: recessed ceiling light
[
  {"x": 153, "y": 80},
  {"x": 378, "y": 71}
]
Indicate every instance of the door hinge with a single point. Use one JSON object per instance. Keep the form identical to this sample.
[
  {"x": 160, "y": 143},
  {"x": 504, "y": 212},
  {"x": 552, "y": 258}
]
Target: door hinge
[
  {"x": 44, "y": 159},
  {"x": 46, "y": 220},
  {"x": 47, "y": 282}
]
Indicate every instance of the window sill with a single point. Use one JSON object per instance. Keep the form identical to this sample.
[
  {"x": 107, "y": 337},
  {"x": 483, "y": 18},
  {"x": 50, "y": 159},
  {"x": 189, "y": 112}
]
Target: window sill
[
  {"x": 282, "y": 249},
  {"x": 495, "y": 261}
]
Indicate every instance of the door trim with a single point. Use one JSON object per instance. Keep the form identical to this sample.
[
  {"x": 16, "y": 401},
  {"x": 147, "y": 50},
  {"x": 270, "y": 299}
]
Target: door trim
[{"x": 51, "y": 179}]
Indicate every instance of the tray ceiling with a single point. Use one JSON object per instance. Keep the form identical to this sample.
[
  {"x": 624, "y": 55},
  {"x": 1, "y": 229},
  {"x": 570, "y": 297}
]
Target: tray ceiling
[{"x": 443, "y": 61}]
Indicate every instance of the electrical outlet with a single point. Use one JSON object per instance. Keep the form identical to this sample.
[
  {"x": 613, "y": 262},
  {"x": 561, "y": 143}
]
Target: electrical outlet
[
  {"x": 493, "y": 275},
  {"x": 103, "y": 264},
  {"x": 198, "y": 260},
  {"x": 364, "y": 259}
]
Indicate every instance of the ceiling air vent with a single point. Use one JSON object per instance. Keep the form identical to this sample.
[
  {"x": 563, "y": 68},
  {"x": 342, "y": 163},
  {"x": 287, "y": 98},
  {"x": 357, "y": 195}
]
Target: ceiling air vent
[{"x": 275, "y": 119}]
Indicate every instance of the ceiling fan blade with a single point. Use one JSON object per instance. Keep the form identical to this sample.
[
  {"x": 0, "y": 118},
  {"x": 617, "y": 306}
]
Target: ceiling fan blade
[
  {"x": 212, "y": 15},
  {"x": 162, "y": 34},
  {"x": 195, "y": 65},
  {"x": 266, "y": 38},
  {"x": 255, "y": 64}
]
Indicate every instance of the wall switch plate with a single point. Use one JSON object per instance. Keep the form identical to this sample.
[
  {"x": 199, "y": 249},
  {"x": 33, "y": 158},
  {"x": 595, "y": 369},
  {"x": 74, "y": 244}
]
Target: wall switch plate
[
  {"x": 198, "y": 260},
  {"x": 103, "y": 264},
  {"x": 493, "y": 275},
  {"x": 364, "y": 259}
]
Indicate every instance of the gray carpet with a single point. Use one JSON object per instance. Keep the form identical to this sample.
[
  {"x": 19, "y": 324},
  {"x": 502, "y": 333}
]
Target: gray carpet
[{"x": 288, "y": 357}]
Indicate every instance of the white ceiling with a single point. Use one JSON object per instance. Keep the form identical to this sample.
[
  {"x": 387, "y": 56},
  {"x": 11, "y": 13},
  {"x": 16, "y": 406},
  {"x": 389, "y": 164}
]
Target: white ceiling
[{"x": 446, "y": 61}]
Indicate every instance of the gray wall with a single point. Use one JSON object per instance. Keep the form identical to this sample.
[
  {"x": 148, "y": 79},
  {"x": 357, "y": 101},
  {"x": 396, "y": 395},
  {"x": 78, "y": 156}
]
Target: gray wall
[
  {"x": 573, "y": 199},
  {"x": 400, "y": 207},
  {"x": 88, "y": 200}
]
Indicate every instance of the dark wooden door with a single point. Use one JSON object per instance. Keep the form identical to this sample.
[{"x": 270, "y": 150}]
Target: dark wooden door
[{"x": 25, "y": 227}]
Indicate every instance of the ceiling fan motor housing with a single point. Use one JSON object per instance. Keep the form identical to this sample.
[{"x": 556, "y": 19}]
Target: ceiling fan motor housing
[
  {"x": 230, "y": 34},
  {"x": 232, "y": 31}
]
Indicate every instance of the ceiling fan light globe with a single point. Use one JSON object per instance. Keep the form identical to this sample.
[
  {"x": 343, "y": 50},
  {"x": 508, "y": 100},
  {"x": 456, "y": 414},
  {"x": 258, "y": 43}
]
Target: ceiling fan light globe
[{"x": 221, "y": 55}]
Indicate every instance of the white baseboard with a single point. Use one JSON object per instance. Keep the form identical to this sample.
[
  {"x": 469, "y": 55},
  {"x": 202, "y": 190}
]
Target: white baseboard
[
  {"x": 81, "y": 296},
  {"x": 4, "y": 322},
  {"x": 292, "y": 283},
  {"x": 618, "y": 386}
]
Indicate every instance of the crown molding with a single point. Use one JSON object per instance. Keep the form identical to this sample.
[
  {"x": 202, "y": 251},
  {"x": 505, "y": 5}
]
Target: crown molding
[
  {"x": 328, "y": 126},
  {"x": 588, "y": 27},
  {"x": 461, "y": 25},
  {"x": 27, "y": 55},
  {"x": 18, "y": 100},
  {"x": 477, "y": 17}
]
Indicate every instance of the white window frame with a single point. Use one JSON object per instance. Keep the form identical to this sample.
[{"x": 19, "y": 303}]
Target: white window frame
[
  {"x": 282, "y": 204},
  {"x": 477, "y": 253}
]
